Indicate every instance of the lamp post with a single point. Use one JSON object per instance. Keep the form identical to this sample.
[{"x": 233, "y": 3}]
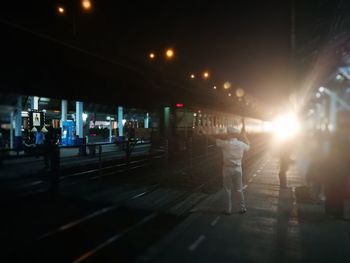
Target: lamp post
[{"x": 85, "y": 5}]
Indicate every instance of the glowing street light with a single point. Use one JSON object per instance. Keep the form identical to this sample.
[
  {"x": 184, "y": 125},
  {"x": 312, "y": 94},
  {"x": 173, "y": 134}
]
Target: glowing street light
[
  {"x": 192, "y": 76},
  {"x": 86, "y": 4},
  {"x": 61, "y": 10},
  {"x": 227, "y": 85},
  {"x": 239, "y": 93},
  {"x": 152, "y": 56},
  {"x": 169, "y": 53},
  {"x": 229, "y": 94},
  {"x": 205, "y": 74},
  {"x": 214, "y": 87}
]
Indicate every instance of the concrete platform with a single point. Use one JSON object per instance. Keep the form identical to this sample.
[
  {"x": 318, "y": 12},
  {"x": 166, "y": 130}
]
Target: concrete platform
[
  {"x": 276, "y": 228},
  {"x": 31, "y": 165}
]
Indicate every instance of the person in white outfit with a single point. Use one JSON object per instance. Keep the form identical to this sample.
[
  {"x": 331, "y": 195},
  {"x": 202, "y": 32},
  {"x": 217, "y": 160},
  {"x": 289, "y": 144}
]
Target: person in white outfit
[{"x": 233, "y": 147}]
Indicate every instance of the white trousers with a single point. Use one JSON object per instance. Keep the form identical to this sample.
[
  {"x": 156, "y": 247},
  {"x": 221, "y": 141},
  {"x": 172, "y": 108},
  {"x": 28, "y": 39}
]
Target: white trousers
[{"x": 233, "y": 185}]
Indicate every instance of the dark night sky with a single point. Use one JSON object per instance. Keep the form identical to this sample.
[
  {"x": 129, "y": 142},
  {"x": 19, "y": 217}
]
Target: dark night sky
[{"x": 244, "y": 42}]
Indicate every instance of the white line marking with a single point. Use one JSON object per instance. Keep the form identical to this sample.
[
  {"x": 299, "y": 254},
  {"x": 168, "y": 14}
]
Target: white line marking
[
  {"x": 250, "y": 180},
  {"x": 137, "y": 196},
  {"x": 215, "y": 221},
  {"x": 196, "y": 243},
  {"x": 84, "y": 219},
  {"x": 245, "y": 187},
  {"x": 112, "y": 239},
  {"x": 258, "y": 171},
  {"x": 254, "y": 175}
]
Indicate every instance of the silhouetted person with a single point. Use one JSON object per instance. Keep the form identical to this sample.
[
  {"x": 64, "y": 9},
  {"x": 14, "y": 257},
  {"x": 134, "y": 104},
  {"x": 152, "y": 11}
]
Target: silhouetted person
[
  {"x": 233, "y": 150},
  {"x": 336, "y": 174},
  {"x": 52, "y": 160},
  {"x": 284, "y": 156}
]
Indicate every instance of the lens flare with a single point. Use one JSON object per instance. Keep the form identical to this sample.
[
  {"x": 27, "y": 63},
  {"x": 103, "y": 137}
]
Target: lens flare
[{"x": 286, "y": 126}]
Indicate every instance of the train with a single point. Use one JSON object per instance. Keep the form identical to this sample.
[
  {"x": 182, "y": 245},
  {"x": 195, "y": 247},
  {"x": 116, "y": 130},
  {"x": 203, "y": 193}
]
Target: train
[{"x": 190, "y": 121}]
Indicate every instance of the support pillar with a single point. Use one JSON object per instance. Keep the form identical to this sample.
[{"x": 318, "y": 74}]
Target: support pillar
[
  {"x": 79, "y": 129},
  {"x": 110, "y": 130},
  {"x": 64, "y": 109},
  {"x": 79, "y": 119},
  {"x": 18, "y": 124},
  {"x": 11, "y": 129},
  {"x": 120, "y": 121},
  {"x": 166, "y": 121},
  {"x": 34, "y": 102},
  {"x": 147, "y": 120}
]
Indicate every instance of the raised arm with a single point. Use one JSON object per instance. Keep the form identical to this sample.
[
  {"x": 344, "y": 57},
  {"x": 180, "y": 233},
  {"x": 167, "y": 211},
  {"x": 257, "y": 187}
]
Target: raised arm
[{"x": 243, "y": 136}]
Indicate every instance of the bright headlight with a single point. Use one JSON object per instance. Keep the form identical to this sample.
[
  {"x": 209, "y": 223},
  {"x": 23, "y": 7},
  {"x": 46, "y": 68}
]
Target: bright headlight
[{"x": 286, "y": 126}]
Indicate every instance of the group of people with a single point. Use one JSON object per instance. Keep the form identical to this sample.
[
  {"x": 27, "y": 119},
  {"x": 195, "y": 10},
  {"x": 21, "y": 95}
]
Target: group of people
[
  {"x": 42, "y": 143},
  {"x": 327, "y": 172}
]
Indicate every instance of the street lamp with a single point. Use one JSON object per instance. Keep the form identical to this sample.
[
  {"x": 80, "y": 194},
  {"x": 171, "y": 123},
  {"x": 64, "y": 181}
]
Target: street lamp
[
  {"x": 205, "y": 74},
  {"x": 86, "y": 5},
  {"x": 169, "y": 53},
  {"x": 61, "y": 10},
  {"x": 227, "y": 85},
  {"x": 192, "y": 76},
  {"x": 239, "y": 93},
  {"x": 152, "y": 56}
]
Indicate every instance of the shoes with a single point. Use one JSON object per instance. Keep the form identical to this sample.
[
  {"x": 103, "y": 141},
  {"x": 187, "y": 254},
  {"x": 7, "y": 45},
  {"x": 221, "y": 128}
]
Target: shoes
[{"x": 242, "y": 211}]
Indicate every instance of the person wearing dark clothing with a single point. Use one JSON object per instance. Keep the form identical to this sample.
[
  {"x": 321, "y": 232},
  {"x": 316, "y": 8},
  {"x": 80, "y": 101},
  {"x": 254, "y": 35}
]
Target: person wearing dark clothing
[
  {"x": 52, "y": 160},
  {"x": 284, "y": 164},
  {"x": 336, "y": 175},
  {"x": 50, "y": 143},
  {"x": 284, "y": 160}
]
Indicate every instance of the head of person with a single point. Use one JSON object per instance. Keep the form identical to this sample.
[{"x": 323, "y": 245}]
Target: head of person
[{"x": 232, "y": 133}]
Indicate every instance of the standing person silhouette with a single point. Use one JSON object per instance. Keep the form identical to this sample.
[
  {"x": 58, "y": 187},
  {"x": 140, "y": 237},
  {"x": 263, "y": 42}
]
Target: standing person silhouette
[
  {"x": 233, "y": 146},
  {"x": 284, "y": 160}
]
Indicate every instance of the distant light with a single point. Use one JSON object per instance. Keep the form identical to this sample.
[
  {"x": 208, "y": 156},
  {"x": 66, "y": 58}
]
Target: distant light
[
  {"x": 24, "y": 113},
  {"x": 214, "y": 87},
  {"x": 227, "y": 85},
  {"x": 179, "y": 105},
  {"x": 318, "y": 95},
  {"x": 339, "y": 77},
  {"x": 151, "y": 55},
  {"x": 229, "y": 94},
  {"x": 61, "y": 10},
  {"x": 239, "y": 93},
  {"x": 321, "y": 89},
  {"x": 86, "y": 4},
  {"x": 286, "y": 126},
  {"x": 192, "y": 76},
  {"x": 194, "y": 114},
  {"x": 169, "y": 53},
  {"x": 85, "y": 115},
  {"x": 205, "y": 74}
]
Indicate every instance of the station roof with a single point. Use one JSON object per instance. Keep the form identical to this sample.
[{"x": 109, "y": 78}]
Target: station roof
[{"x": 35, "y": 65}]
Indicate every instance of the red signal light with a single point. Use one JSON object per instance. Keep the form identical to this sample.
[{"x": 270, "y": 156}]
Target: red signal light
[{"x": 179, "y": 105}]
